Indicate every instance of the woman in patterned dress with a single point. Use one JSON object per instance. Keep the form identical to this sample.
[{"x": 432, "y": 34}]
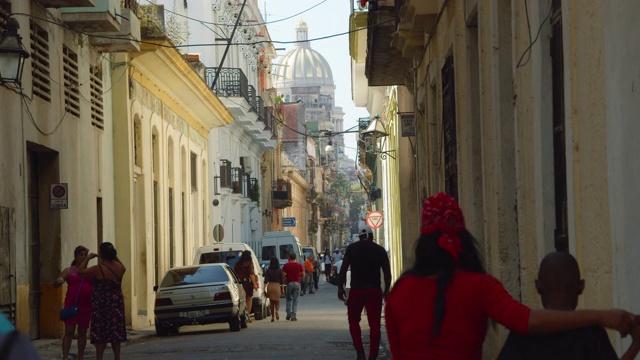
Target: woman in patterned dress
[
  {"x": 80, "y": 288},
  {"x": 107, "y": 316}
]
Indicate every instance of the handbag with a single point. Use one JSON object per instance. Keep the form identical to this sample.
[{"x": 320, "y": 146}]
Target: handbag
[{"x": 71, "y": 311}]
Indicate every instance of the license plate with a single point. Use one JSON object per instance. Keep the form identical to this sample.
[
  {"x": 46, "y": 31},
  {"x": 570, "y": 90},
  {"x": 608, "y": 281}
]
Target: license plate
[{"x": 193, "y": 314}]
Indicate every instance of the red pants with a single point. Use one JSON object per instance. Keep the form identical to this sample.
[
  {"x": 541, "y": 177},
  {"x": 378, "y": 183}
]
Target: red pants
[{"x": 370, "y": 299}]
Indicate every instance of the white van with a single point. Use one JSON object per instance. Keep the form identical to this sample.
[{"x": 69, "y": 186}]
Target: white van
[
  {"x": 230, "y": 253},
  {"x": 280, "y": 244}
]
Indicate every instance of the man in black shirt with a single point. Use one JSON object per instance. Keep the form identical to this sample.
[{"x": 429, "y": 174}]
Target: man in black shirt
[
  {"x": 559, "y": 286},
  {"x": 365, "y": 258}
]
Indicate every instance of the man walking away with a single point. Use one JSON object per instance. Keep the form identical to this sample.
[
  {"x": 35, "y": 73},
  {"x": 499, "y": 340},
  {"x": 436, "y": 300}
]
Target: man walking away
[
  {"x": 307, "y": 283},
  {"x": 365, "y": 258},
  {"x": 293, "y": 272}
]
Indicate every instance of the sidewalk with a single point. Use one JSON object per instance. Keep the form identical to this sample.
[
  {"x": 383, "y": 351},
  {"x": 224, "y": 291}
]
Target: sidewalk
[{"x": 51, "y": 349}]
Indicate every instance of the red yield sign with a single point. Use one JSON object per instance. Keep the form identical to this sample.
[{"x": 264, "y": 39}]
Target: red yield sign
[{"x": 374, "y": 219}]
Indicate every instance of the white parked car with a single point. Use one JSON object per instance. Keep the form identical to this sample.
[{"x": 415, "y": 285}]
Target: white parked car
[
  {"x": 198, "y": 295},
  {"x": 229, "y": 253}
]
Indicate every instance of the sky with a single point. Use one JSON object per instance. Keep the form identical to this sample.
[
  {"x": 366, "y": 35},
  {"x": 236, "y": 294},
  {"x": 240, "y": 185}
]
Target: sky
[{"x": 324, "y": 18}]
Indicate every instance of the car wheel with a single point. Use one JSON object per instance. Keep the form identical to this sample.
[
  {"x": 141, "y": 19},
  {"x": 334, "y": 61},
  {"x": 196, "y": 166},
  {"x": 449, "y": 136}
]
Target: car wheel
[
  {"x": 160, "y": 331},
  {"x": 243, "y": 320},
  {"x": 234, "y": 322}
]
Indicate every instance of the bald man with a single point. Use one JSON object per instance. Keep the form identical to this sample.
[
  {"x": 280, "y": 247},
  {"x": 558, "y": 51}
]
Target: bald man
[{"x": 559, "y": 285}]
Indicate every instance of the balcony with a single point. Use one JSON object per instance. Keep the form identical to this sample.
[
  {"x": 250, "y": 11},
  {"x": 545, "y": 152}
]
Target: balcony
[
  {"x": 416, "y": 19},
  {"x": 384, "y": 65},
  {"x": 243, "y": 102},
  {"x": 125, "y": 40},
  {"x": 231, "y": 82},
  {"x": 101, "y": 18},
  {"x": 281, "y": 194},
  {"x": 67, "y": 3}
]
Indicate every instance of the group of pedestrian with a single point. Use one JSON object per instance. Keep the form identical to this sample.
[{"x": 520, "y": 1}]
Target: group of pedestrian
[
  {"x": 457, "y": 298},
  {"x": 97, "y": 293}
]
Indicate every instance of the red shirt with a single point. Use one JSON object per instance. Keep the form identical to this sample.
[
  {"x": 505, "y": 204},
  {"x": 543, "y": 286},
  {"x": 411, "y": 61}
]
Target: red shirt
[
  {"x": 471, "y": 299},
  {"x": 292, "y": 270}
]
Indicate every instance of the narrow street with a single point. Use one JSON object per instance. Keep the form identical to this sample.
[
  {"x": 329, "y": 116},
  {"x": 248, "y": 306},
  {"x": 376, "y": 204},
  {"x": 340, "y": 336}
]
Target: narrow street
[{"x": 321, "y": 332}]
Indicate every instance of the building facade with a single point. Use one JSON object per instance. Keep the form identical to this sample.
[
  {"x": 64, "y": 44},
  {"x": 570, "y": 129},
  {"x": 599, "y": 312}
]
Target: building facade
[
  {"x": 57, "y": 187},
  {"x": 521, "y": 113},
  {"x": 164, "y": 112}
]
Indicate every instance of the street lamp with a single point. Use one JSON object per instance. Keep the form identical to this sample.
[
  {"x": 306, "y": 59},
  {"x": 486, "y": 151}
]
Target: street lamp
[
  {"x": 376, "y": 130},
  {"x": 12, "y": 53}
]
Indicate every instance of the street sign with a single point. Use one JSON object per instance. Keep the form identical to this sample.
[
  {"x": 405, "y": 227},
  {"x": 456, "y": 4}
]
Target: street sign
[
  {"x": 58, "y": 196},
  {"x": 374, "y": 219},
  {"x": 289, "y": 222}
]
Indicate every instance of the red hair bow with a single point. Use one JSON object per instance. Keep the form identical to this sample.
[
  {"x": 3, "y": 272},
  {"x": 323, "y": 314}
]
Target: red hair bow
[{"x": 441, "y": 213}]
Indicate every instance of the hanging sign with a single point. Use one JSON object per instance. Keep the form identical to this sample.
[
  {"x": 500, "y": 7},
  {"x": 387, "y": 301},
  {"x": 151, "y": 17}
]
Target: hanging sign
[{"x": 408, "y": 121}]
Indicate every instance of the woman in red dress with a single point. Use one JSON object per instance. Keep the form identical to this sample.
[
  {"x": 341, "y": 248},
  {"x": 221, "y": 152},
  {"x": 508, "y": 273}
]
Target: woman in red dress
[
  {"x": 439, "y": 308},
  {"x": 80, "y": 287}
]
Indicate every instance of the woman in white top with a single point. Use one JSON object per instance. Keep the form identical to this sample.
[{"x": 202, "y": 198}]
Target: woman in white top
[{"x": 328, "y": 261}]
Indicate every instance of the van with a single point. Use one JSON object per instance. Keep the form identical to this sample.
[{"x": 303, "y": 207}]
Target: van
[
  {"x": 280, "y": 244},
  {"x": 309, "y": 250},
  {"x": 229, "y": 253}
]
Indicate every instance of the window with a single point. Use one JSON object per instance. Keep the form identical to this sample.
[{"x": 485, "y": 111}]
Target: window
[
  {"x": 268, "y": 252},
  {"x": 225, "y": 173},
  {"x": 40, "y": 71},
  {"x": 561, "y": 232},
  {"x": 97, "y": 105},
  {"x": 236, "y": 180},
  {"x": 71, "y": 82},
  {"x": 194, "y": 172}
]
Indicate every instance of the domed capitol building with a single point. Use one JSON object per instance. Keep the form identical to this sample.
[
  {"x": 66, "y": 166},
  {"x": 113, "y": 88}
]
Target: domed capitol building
[{"x": 304, "y": 75}]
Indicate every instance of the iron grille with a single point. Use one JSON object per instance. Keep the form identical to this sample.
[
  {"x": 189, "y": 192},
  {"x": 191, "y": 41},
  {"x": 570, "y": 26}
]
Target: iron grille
[
  {"x": 561, "y": 232},
  {"x": 449, "y": 128}
]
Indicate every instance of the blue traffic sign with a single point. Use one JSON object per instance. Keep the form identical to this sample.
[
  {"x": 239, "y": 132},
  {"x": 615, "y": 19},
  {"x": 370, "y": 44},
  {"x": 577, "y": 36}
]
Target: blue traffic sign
[{"x": 289, "y": 222}]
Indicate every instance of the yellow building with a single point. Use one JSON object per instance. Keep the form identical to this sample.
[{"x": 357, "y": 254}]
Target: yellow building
[
  {"x": 163, "y": 111},
  {"x": 522, "y": 112}
]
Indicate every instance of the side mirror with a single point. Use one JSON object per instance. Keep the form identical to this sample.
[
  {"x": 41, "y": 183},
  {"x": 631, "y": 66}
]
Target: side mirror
[{"x": 155, "y": 288}]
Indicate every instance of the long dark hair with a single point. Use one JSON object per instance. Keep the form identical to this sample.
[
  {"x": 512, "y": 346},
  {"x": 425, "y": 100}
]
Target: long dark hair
[
  {"x": 274, "y": 264},
  {"x": 432, "y": 260},
  {"x": 245, "y": 257}
]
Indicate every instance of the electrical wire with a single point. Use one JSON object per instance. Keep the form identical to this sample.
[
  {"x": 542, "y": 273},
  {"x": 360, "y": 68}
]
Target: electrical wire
[
  {"x": 252, "y": 24},
  {"x": 196, "y": 45},
  {"x": 33, "y": 120},
  {"x": 527, "y": 51}
]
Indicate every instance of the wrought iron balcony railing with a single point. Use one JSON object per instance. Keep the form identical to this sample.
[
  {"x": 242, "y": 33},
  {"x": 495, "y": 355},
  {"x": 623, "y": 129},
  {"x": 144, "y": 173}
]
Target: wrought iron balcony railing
[{"x": 230, "y": 82}]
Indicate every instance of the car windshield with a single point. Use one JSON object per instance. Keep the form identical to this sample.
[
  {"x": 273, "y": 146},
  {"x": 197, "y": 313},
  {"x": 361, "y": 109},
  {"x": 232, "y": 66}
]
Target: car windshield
[
  {"x": 194, "y": 275},
  {"x": 217, "y": 257}
]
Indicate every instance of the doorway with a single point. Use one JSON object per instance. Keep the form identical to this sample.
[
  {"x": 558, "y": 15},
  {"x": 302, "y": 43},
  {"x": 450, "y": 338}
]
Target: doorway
[{"x": 44, "y": 232}]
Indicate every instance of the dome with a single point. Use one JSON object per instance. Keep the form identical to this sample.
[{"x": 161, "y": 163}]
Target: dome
[{"x": 302, "y": 66}]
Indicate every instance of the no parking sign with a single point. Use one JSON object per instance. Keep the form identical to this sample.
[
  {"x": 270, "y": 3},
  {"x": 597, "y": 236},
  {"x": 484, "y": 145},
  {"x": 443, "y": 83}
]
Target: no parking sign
[{"x": 59, "y": 196}]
